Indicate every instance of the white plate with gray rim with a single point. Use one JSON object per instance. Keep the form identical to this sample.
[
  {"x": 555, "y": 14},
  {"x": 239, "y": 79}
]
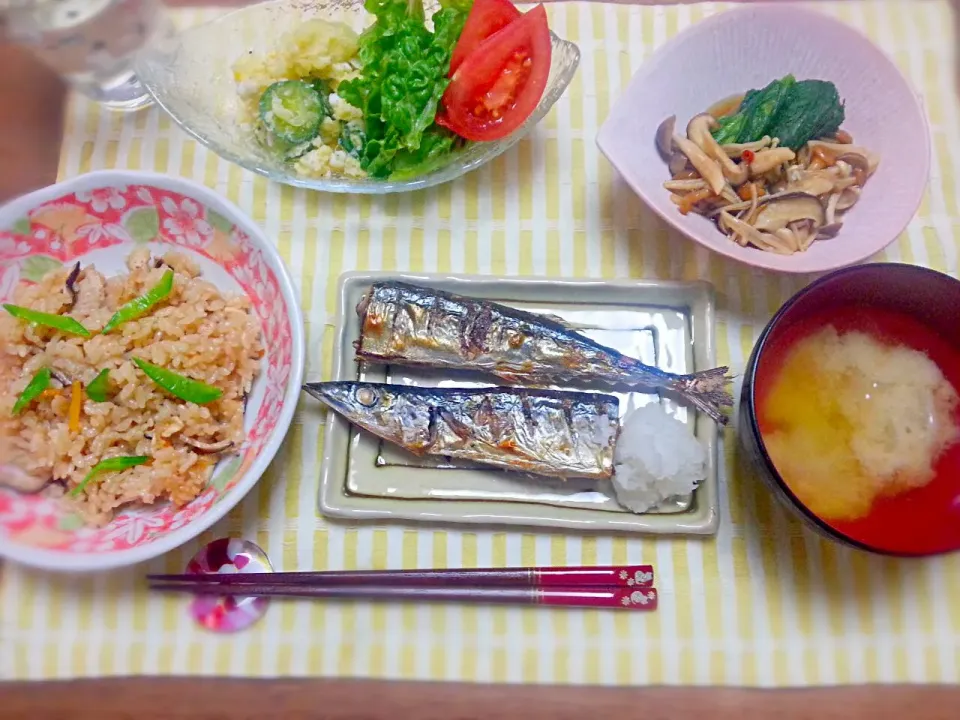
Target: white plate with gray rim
[{"x": 667, "y": 324}]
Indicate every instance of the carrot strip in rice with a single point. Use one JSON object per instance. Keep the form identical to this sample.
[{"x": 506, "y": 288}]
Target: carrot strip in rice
[{"x": 76, "y": 406}]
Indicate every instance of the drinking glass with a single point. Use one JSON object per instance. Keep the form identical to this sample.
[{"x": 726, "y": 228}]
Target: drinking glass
[{"x": 91, "y": 44}]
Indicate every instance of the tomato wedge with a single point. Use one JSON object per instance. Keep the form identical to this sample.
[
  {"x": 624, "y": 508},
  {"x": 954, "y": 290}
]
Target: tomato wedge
[
  {"x": 485, "y": 18},
  {"x": 500, "y": 83}
]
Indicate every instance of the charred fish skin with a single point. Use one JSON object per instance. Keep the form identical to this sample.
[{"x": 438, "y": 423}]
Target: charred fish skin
[
  {"x": 544, "y": 432},
  {"x": 417, "y": 326}
]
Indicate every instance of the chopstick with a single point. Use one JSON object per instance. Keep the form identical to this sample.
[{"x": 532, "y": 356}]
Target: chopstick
[
  {"x": 628, "y": 587},
  {"x": 611, "y": 598},
  {"x": 626, "y": 576}
]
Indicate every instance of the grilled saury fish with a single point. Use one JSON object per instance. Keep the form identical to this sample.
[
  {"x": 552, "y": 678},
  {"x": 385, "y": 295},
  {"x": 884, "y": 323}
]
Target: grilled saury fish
[
  {"x": 546, "y": 432},
  {"x": 411, "y": 325}
]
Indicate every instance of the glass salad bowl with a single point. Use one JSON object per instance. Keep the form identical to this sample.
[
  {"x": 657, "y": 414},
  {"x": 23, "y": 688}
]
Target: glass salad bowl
[{"x": 191, "y": 77}]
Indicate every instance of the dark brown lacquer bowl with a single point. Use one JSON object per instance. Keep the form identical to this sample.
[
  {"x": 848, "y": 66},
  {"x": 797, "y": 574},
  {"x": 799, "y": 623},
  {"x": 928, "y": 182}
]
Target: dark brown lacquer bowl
[{"x": 911, "y": 526}]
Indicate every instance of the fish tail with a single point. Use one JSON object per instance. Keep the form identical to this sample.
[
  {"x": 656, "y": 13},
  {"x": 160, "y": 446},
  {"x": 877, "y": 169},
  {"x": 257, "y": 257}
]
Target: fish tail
[{"x": 707, "y": 391}]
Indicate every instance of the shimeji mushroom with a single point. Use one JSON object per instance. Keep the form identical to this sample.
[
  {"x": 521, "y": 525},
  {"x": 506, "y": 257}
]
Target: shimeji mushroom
[
  {"x": 848, "y": 198},
  {"x": 812, "y": 182},
  {"x": 698, "y": 130},
  {"x": 855, "y": 160},
  {"x": 845, "y": 152},
  {"x": 19, "y": 479},
  {"x": 793, "y": 197},
  {"x": 207, "y": 448},
  {"x": 709, "y": 169},
  {"x": 736, "y": 150},
  {"x": 685, "y": 185},
  {"x": 763, "y": 240},
  {"x": 767, "y": 160},
  {"x": 676, "y": 160},
  {"x": 837, "y": 203}
]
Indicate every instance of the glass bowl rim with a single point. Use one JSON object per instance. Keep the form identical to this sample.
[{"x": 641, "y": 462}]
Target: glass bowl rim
[{"x": 367, "y": 186}]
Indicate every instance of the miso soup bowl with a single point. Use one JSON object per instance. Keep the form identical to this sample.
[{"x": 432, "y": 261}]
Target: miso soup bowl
[{"x": 929, "y": 296}]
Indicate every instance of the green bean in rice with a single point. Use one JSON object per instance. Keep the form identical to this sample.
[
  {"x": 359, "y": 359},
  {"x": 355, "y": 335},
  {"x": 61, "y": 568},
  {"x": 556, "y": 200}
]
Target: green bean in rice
[{"x": 195, "y": 331}]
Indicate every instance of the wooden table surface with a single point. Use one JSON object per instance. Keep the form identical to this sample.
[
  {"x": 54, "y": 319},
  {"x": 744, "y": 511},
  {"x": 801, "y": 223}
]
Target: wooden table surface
[{"x": 31, "y": 106}]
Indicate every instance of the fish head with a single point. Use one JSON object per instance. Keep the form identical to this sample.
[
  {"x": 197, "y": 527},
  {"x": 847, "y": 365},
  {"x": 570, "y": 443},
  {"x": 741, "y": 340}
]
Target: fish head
[
  {"x": 400, "y": 415},
  {"x": 353, "y": 400}
]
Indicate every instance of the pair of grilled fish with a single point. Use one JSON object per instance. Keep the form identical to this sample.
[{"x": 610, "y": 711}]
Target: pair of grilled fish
[{"x": 541, "y": 431}]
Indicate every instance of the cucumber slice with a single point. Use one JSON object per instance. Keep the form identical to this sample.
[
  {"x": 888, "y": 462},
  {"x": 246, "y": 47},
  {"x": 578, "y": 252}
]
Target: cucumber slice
[
  {"x": 323, "y": 90},
  {"x": 298, "y": 151},
  {"x": 352, "y": 139},
  {"x": 291, "y": 110}
]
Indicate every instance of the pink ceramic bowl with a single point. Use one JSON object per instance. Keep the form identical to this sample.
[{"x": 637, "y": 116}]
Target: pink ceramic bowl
[
  {"x": 100, "y": 218},
  {"x": 746, "y": 48}
]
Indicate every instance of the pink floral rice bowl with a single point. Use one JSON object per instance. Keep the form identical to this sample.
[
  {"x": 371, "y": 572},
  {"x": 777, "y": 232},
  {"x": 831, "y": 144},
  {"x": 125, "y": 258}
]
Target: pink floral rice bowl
[{"x": 102, "y": 219}]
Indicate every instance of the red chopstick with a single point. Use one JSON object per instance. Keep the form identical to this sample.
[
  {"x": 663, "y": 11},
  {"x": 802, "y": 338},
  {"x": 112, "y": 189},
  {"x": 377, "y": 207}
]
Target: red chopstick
[
  {"x": 622, "y": 598},
  {"x": 623, "y": 576},
  {"x": 619, "y": 586}
]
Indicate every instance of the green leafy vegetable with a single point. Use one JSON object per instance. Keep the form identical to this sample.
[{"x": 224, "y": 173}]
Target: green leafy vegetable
[
  {"x": 791, "y": 111},
  {"x": 138, "y": 307},
  {"x": 178, "y": 385},
  {"x": 99, "y": 387},
  {"x": 812, "y": 109},
  {"x": 763, "y": 106},
  {"x": 404, "y": 76},
  {"x": 32, "y": 391},
  {"x": 755, "y": 113},
  {"x": 434, "y": 151},
  {"x": 729, "y": 128},
  {"x": 114, "y": 464},
  {"x": 62, "y": 323}
]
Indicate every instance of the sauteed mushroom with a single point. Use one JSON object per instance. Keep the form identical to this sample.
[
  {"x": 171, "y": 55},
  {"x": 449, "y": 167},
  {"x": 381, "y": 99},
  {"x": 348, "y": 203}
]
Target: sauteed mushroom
[
  {"x": 761, "y": 193},
  {"x": 208, "y": 448},
  {"x": 871, "y": 159},
  {"x": 812, "y": 182},
  {"x": 676, "y": 160},
  {"x": 708, "y": 169},
  {"x": 735, "y": 150},
  {"x": 767, "y": 160},
  {"x": 698, "y": 130},
  {"x": 848, "y": 198},
  {"x": 664, "y": 138},
  {"x": 790, "y": 208},
  {"x": 19, "y": 479},
  {"x": 71, "y": 279}
]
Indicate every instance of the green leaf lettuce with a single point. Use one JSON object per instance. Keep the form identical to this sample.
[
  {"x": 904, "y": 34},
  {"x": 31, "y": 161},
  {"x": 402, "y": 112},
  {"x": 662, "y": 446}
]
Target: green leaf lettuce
[{"x": 403, "y": 78}]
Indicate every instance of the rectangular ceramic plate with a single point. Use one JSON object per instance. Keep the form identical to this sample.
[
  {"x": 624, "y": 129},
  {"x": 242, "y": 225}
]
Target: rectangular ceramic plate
[{"x": 667, "y": 324}]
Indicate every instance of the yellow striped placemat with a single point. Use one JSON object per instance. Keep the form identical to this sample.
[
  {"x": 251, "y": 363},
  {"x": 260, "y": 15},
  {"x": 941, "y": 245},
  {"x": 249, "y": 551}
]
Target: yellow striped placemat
[{"x": 763, "y": 603}]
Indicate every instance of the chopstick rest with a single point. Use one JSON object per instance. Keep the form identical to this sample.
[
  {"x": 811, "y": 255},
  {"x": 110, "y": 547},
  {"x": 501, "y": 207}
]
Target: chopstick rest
[{"x": 223, "y": 558}]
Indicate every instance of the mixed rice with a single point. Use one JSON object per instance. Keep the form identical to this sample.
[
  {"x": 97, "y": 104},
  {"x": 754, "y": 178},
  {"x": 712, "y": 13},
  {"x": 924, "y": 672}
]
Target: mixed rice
[{"x": 195, "y": 332}]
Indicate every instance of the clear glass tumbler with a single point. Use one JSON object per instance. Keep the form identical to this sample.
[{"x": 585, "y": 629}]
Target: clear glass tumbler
[{"x": 91, "y": 43}]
